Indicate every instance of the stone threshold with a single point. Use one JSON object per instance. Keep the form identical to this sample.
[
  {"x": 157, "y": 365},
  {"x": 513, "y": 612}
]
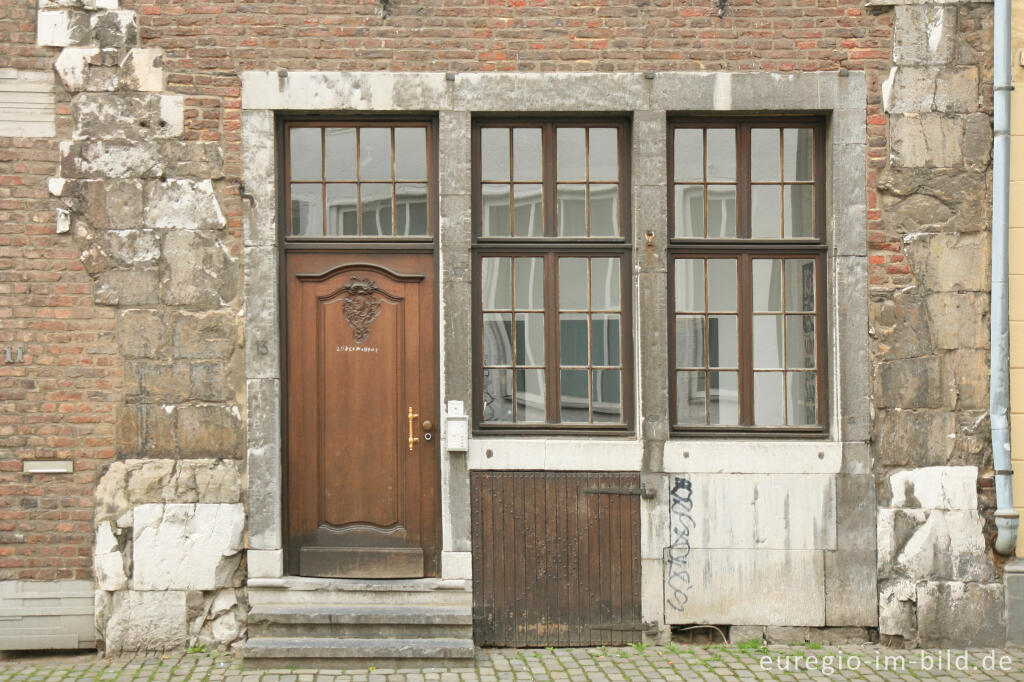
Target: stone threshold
[{"x": 301, "y": 583}]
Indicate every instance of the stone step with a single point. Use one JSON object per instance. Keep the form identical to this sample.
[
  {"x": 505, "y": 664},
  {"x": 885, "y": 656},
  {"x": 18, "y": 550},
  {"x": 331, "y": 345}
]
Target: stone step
[
  {"x": 369, "y": 621},
  {"x": 346, "y": 592},
  {"x": 279, "y": 652}
]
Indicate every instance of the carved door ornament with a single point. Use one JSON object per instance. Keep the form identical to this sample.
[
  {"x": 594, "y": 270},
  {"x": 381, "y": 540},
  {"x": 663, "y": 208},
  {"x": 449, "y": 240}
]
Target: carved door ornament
[{"x": 360, "y": 306}]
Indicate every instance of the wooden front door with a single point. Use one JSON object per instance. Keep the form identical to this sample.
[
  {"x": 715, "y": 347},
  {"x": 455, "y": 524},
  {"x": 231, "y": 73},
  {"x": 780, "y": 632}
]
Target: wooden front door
[{"x": 363, "y": 479}]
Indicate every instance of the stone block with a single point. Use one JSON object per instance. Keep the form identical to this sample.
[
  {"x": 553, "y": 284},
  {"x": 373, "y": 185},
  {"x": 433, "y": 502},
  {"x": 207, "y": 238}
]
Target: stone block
[
  {"x": 910, "y": 383},
  {"x": 149, "y": 382},
  {"x": 914, "y": 437},
  {"x": 964, "y": 192},
  {"x": 649, "y": 211},
  {"x": 126, "y": 287},
  {"x": 849, "y": 202},
  {"x": 551, "y": 92},
  {"x": 201, "y": 160},
  {"x": 649, "y": 159},
  {"x": 72, "y": 66},
  {"x": 926, "y": 140},
  {"x": 114, "y": 29},
  {"x": 259, "y": 174},
  {"x": 925, "y": 34},
  {"x": 111, "y": 159},
  {"x": 851, "y": 588},
  {"x": 727, "y": 585},
  {"x": 142, "y": 334},
  {"x": 855, "y": 512},
  {"x": 263, "y": 463},
  {"x": 262, "y": 359},
  {"x": 956, "y": 90},
  {"x": 953, "y": 614},
  {"x": 265, "y": 563},
  {"x": 359, "y": 91},
  {"x": 856, "y": 458},
  {"x": 951, "y": 262},
  {"x": 127, "y": 116},
  {"x": 209, "y": 431},
  {"x": 978, "y": 140},
  {"x": 958, "y": 320},
  {"x": 186, "y": 546},
  {"x": 142, "y": 69},
  {"x": 941, "y": 488},
  {"x": 61, "y": 27},
  {"x": 455, "y": 134},
  {"x": 146, "y": 621},
  {"x": 901, "y": 327},
  {"x": 199, "y": 270},
  {"x": 159, "y": 431},
  {"x": 213, "y": 381},
  {"x": 205, "y": 336},
  {"x": 913, "y": 90},
  {"x": 129, "y": 248},
  {"x": 966, "y": 372},
  {"x": 182, "y": 204},
  {"x": 897, "y": 609}
]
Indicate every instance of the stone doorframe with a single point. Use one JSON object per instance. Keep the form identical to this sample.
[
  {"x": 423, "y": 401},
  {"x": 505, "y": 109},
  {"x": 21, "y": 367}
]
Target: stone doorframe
[{"x": 649, "y": 98}]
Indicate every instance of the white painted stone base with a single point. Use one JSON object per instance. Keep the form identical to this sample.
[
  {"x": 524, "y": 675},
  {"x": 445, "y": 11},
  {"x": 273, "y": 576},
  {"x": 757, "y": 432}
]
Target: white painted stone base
[
  {"x": 265, "y": 563},
  {"x": 457, "y": 565}
]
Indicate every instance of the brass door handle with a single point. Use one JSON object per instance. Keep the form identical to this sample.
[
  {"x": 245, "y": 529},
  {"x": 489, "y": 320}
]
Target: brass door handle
[{"x": 412, "y": 439}]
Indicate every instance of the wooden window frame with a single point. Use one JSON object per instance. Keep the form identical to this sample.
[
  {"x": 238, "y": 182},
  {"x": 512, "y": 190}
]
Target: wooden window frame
[
  {"x": 290, "y": 240},
  {"x": 550, "y": 247},
  {"x": 744, "y": 250}
]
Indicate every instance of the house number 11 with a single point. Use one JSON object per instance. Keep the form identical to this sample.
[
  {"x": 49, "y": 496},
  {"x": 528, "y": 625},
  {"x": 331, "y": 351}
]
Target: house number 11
[{"x": 15, "y": 356}]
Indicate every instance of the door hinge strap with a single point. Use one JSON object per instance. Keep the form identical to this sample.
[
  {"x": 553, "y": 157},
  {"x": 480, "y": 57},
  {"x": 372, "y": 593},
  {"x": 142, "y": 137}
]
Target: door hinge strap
[{"x": 642, "y": 491}]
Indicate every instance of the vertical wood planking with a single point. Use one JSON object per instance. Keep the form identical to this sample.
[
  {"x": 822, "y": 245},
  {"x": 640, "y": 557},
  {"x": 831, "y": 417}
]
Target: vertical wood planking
[{"x": 555, "y": 559}]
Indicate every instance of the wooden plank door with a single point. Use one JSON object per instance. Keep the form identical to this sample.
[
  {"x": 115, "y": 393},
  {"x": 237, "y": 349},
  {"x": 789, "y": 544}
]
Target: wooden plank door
[
  {"x": 556, "y": 558},
  {"x": 362, "y": 474}
]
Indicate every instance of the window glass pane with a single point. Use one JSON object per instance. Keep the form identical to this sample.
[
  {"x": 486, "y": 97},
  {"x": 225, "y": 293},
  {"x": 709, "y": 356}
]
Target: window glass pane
[
  {"x": 723, "y": 398},
  {"x": 304, "y": 153},
  {"x": 689, "y": 211},
  {"x": 573, "y": 339},
  {"x": 723, "y": 341},
  {"x": 800, "y": 341},
  {"x": 307, "y": 210},
  {"x": 605, "y": 284},
  {"x": 572, "y": 284},
  {"x": 607, "y": 392},
  {"x": 497, "y": 338},
  {"x": 604, "y": 154},
  {"x": 689, "y": 276},
  {"x": 690, "y": 394},
  {"x": 529, "y": 284},
  {"x": 496, "y": 285},
  {"x": 526, "y": 154},
  {"x": 765, "y": 212},
  {"x": 572, "y": 210},
  {"x": 767, "y": 275},
  {"x": 722, "y": 284},
  {"x": 530, "y": 339},
  {"x": 721, "y": 155},
  {"x": 529, "y": 210},
  {"x": 411, "y": 200},
  {"x": 801, "y": 405},
  {"x": 494, "y": 154},
  {"x": 411, "y": 154},
  {"x": 605, "y": 335},
  {"x": 375, "y": 154},
  {"x": 340, "y": 155},
  {"x": 798, "y": 154},
  {"x": 575, "y": 395},
  {"x": 498, "y": 395},
  {"x": 690, "y": 341},
  {"x": 764, "y": 155},
  {"x": 530, "y": 395},
  {"x": 604, "y": 210},
  {"x": 799, "y": 285},
  {"x": 688, "y": 164},
  {"x": 721, "y": 211},
  {"x": 572, "y": 154},
  {"x": 768, "y": 399},
  {"x": 495, "y": 211},
  {"x": 342, "y": 210},
  {"x": 799, "y": 211},
  {"x": 767, "y": 341},
  {"x": 375, "y": 199}
]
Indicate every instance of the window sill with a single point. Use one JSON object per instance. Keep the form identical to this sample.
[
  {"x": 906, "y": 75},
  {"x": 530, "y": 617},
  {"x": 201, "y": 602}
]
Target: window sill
[
  {"x": 545, "y": 453},
  {"x": 747, "y": 453}
]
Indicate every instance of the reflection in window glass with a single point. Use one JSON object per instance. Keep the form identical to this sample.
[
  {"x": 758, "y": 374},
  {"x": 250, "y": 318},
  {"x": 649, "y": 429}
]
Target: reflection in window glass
[
  {"x": 307, "y": 210},
  {"x": 304, "y": 152}
]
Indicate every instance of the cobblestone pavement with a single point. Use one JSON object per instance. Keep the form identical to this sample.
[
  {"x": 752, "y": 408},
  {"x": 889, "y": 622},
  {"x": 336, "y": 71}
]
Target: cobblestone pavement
[{"x": 746, "y": 661}]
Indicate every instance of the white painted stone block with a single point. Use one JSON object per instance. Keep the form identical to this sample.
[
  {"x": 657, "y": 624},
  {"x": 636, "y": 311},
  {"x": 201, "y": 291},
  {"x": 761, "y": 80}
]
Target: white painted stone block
[
  {"x": 360, "y": 91},
  {"x": 146, "y": 621},
  {"x": 27, "y": 105},
  {"x": 457, "y": 565},
  {"x": 54, "y": 28},
  {"x": 71, "y": 66},
  {"x": 763, "y": 511},
  {"x": 186, "y": 546},
  {"x": 143, "y": 67},
  {"x": 183, "y": 204},
  {"x": 754, "y": 456},
  {"x": 731, "y": 586}
]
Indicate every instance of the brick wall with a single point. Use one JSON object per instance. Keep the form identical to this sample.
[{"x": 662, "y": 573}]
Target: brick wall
[{"x": 59, "y": 403}]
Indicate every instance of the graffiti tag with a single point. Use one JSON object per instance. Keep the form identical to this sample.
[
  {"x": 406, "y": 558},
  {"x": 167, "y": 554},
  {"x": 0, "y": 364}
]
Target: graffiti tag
[{"x": 681, "y": 522}]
